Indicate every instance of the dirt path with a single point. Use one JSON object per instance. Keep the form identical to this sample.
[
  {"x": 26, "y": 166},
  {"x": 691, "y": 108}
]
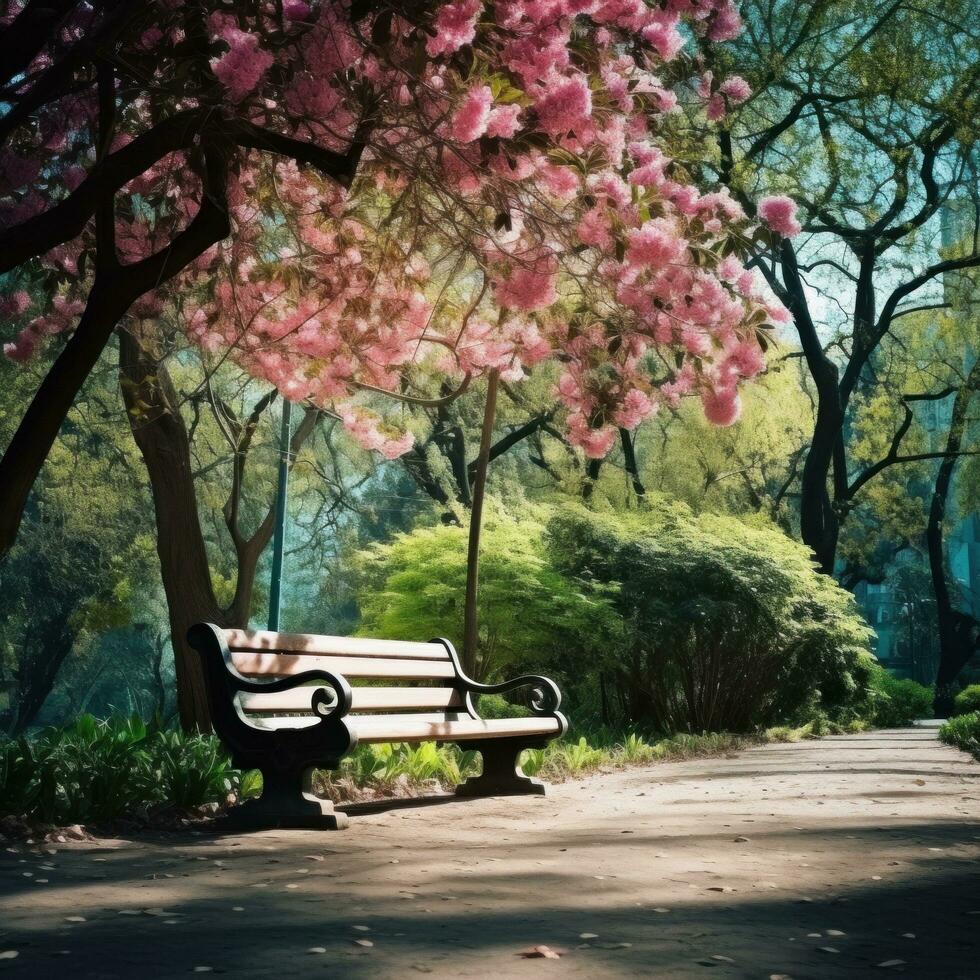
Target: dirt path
[{"x": 810, "y": 860}]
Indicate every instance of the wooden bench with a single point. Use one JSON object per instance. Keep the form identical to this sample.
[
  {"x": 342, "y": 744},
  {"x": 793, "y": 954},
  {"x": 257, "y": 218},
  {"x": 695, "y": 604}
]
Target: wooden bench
[{"x": 286, "y": 703}]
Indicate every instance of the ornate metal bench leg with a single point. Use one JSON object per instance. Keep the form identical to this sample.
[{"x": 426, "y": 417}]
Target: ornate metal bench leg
[
  {"x": 501, "y": 774},
  {"x": 287, "y": 801}
]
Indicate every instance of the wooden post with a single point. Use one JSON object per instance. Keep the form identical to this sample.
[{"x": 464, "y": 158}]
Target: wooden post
[{"x": 471, "y": 622}]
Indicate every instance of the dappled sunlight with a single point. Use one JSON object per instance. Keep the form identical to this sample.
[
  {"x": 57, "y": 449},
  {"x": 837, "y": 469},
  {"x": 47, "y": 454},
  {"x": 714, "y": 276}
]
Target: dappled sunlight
[{"x": 659, "y": 868}]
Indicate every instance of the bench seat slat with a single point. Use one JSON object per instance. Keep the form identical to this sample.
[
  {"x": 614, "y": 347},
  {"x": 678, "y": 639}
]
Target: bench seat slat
[
  {"x": 425, "y": 727},
  {"x": 288, "y": 664},
  {"x": 342, "y": 646},
  {"x": 363, "y": 699},
  {"x": 401, "y": 728}
]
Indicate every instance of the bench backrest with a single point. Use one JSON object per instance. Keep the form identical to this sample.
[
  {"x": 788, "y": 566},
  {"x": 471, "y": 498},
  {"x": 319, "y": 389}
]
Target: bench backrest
[{"x": 265, "y": 654}]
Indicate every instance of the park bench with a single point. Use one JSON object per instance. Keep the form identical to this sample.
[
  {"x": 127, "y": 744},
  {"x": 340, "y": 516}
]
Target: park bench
[{"x": 286, "y": 703}]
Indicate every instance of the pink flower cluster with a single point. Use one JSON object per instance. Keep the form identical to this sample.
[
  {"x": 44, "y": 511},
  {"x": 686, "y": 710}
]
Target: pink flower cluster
[
  {"x": 243, "y": 66},
  {"x": 779, "y": 213},
  {"x": 454, "y": 25},
  {"x": 531, "y": 158}
]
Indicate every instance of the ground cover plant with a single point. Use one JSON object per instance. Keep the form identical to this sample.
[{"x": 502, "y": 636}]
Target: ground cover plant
[
  {"x": 94, "y": 772},
  {"x": 963, "y": 731}
]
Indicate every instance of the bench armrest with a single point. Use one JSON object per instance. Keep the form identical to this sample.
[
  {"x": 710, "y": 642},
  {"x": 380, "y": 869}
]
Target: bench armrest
[
  {"x": 208, "y": 640},
  {"x": 545, "y": 696},
  {"x": 320, "y": 701}
]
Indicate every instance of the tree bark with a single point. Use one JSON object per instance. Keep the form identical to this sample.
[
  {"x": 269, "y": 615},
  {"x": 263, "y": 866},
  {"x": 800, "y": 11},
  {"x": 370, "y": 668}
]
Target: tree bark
[
  {"x": 163, "y": 441},
  {"x": 959, "y": 632}
]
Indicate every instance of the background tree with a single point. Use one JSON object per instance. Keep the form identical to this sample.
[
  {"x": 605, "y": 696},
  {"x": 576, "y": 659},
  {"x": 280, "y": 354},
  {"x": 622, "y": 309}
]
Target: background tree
[{"x": 865, "y": 114}]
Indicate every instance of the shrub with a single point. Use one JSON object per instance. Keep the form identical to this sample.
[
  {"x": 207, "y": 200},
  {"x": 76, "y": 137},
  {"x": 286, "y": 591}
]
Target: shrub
[
  {"x": 963, "y": 731},
  {"x": 967, "y": 701},
  {"x": 726, "y": 624},
  {"x": 94, "y": 770},
  {"x": 896, "y": 703},
  {"x": 413, "y": 589}
]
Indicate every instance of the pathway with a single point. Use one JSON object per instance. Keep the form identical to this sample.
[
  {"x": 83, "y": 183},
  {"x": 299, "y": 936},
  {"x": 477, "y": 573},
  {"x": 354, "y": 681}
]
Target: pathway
[{"x": 810, "y": 860}]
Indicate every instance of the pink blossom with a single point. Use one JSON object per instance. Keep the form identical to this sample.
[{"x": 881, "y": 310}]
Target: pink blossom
[
  {"x": 721, "y": 406},
  {"x": 15, "y": 304},
  {"x": 504, "y": 121},
  {"x": 243, "y": 65},
  {"x": 655, "y": 243},
  {"x": 455, "y": 26},
  {"x": 398, "y": 446},
  {"x": 637, "y": 406},
  {"x": 736, "y": 88},
  {"x": 473, "y": 115},
  {"x": 595, "y": 228},
  {"x": 727, "y": 24},
  {"x": 527, "y": 289},
  {"x": 747, "y": 359},
  {"x": 779, "y": 213},
  {"x": 595, "y": 443},
  {"x": 561, "y": 181},
  {"x": 565, "y": 102}
]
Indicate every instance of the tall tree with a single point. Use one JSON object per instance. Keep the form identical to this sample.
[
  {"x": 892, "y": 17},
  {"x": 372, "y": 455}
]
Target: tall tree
[
  {"x": 959, "y": 630},
  {"x": 865, "y": 114}
]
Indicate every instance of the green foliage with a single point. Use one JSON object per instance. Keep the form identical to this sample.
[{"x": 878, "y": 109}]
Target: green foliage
[
  {"x": 413, "y": 588},
  {"x": 726, "y": 625},
  {"x": 963, "y": 731},
  {"x": 967, "y": 701},
  {"x": 94, "y": 770},
  {"x": 896, "y": 703}
]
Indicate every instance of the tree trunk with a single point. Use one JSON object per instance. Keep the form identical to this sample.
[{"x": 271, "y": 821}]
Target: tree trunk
[
  {"x": 164, "y": 444},
  {"x": 959, "y": 633},
  {"x": 33, "y": 688},
  {"x": 819, "y": 521},
  {"x": 471, "y": 623}
]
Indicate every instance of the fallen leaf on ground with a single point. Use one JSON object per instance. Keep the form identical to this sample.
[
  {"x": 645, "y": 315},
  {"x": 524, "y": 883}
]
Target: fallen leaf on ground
[
  {"x": 363, "y": 942},
  {"x": 9, "y": 954},
  {"x": 541, "y": 953},
  {"x": 892, "y": 963}
]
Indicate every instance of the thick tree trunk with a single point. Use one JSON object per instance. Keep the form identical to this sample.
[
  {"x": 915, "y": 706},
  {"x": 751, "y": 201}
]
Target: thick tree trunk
[
  {"x": 163, "y": 441},
  {"x": 959, "y": 633}
]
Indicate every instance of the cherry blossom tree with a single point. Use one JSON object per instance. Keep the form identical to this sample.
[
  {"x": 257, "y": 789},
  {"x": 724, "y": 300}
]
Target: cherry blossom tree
[{"x": 350, "y": 199}]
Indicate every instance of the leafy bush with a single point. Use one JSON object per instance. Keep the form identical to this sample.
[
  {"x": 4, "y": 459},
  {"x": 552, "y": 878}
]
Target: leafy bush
[
  {"x": 896, "y": 703},
  {"x": 413, "y": 589},
  {"x": 726, "y": 625},
  {"x": 967, "y": 701},
  {"x": 963, "y": 731},
  {"x": 94, "y": 770}
]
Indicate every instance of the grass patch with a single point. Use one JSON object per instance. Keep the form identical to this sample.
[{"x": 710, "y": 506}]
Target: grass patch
[{"x": 963, "y": 731}]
